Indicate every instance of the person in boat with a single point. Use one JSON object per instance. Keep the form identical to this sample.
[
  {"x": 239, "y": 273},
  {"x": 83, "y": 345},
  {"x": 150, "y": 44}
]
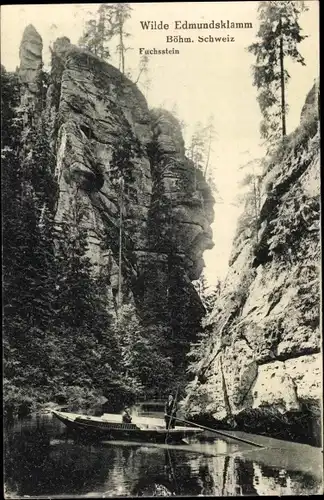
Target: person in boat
[
  {"x": 170, "y": 412},
  {"x": 127, "y": 419}
]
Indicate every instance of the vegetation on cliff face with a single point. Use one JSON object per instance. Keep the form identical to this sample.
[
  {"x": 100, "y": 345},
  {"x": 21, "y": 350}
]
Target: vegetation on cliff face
[
  {"x": 51, "y": 301},
  {"x": 60, "y": 342},
  {"x": 63, "y": 341},
  {"x": 259, "y": 358}
]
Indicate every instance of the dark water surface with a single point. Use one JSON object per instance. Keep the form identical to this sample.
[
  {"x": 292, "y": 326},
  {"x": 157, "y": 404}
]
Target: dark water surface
[{"x": 40, "y": 460}]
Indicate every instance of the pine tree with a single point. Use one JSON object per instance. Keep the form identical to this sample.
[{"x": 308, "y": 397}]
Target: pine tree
[
  {"x": 59, "y": 337},
  {"x": 208, "y": 294},
  {"x": 278, "y": 38},
  {"x": 82, "y": 319},
  {"x": 143, "y": 68},
  {"x": 199, "y": 152},
  {"x": 98, "y": 34},
  {"x": 10, "y": 97},
  {"x": 251, "y": 197},
  {"x": 196, "y": 150},
  {"x": 210, "y": 133},
  {"x": 120, "y": 12},
  {"x": 201, "y": 145},
  {"x": 28, "y": 262},
  {"x": 109, "y": 23},
  {"x": 145, "y": 369}
]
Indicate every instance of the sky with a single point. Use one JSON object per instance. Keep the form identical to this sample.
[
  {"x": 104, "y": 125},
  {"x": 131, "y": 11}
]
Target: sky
[{"x": 209, "y": 78}]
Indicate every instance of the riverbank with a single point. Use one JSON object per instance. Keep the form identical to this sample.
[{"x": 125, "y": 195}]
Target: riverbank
[{"x": 303, "y": 427}]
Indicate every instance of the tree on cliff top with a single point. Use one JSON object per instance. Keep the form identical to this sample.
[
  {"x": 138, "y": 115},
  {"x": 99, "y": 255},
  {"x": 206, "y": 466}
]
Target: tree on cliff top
[
  {"x": 196, "y": 150},
  {"x": 143, "y": 78},
  {"x": 98, "y": 33},
  {"x": 109, "y": 23},
  {"x": 120, "y": 13},
  {"x": 201, "y": 145},
  {"x": 278, "y": 37},
  {"x": 199, "y": 152}
]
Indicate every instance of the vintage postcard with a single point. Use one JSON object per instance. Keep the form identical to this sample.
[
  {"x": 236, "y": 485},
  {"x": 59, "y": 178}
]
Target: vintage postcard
[{"x": 161, "y": 249}]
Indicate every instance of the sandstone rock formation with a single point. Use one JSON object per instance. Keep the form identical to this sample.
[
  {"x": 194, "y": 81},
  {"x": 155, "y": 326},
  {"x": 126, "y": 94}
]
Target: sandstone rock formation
[
  {"x": 312, "y": 100},
  {"x": 30, "y": 71},
  {"x": 264, "y": 349},
  {"x": 122, "y": 162}
]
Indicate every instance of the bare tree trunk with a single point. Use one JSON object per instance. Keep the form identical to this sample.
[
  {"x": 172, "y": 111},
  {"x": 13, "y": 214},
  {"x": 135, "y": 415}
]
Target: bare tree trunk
[
  {"x": 121, "y": 42},
  {"x": 101, "y": 35},
  {"x": 119, "y": 300},
  {"x": 208, "y": 155},
  {"x": 282, "y": 85},
  {"x": 139, "y": 76}
]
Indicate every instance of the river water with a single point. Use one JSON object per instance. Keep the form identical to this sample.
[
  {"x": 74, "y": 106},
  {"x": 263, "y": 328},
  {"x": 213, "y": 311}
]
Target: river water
[{"x": 42, "y": 461}]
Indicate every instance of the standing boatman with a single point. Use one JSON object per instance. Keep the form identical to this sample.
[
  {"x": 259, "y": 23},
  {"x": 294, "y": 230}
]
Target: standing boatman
[{"x": 170, "y": 412}]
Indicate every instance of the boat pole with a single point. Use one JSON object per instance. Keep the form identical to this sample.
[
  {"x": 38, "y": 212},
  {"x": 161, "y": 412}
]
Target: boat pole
[
  {"x": 221, "y": 433},
  {"x": 172, "y": 471}
]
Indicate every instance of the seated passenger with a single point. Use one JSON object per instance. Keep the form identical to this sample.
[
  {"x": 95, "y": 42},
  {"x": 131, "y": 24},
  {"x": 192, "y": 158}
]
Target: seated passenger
[{"x": 127, "y": 419}]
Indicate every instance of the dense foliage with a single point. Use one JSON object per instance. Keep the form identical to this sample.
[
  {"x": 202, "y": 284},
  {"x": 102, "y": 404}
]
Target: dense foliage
[{"x": 61, "y": 343}]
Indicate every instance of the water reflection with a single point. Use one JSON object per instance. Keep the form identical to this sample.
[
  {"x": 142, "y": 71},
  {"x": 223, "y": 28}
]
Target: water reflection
[{"x": 41, "y": 460}]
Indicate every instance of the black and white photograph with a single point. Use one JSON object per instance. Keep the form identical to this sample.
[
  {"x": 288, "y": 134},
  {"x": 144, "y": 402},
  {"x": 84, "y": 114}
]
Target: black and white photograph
[{"x": 161, "y": 252}]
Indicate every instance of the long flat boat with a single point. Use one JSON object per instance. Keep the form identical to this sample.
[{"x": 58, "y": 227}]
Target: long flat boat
[{"x": 111, "y": 427}]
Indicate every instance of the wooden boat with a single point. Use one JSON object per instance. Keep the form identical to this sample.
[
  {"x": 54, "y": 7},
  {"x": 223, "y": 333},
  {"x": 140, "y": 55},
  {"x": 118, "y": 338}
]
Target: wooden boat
[{"x": 110, "y": 426}]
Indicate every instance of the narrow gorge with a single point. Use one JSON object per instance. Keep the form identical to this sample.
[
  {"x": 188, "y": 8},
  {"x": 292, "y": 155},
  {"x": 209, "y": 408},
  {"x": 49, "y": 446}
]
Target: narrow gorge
[
  {"x": 120, "y": 176},
  {"x": 161, "y": 211},
  {"x": 104, "y": 134},
  {"x": 118, "y": 172}
]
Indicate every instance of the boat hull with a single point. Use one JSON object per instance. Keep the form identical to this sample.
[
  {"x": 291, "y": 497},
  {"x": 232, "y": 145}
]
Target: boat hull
[{"x": 88, "y": 428}]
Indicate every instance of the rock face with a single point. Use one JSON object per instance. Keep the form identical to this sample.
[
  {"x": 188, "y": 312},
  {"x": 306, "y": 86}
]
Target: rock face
[
  {"x": 125, "y": 166},
  {"x": 312, "y": 100},
  {"x": 264, "y": 349},
  {"x": 30, "y": 69}
]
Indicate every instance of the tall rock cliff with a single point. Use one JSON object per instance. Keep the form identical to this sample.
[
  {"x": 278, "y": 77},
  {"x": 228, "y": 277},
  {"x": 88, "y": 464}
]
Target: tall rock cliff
[
  {"x": 125, "y": 165},
  {"x": 264, "y": 347},
  {"x": 30, "y": 73}
]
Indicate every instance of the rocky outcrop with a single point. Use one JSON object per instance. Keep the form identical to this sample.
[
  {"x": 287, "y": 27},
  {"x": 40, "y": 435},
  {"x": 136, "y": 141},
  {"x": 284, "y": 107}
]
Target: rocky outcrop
[
  {"x": 124, "y": 167},
  {"x": 311, "y": 102},
  {"x": 264, "y": 347},
  {"x": 30, "y": 72}
]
